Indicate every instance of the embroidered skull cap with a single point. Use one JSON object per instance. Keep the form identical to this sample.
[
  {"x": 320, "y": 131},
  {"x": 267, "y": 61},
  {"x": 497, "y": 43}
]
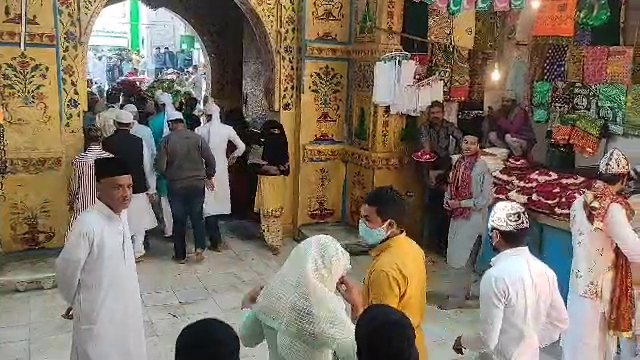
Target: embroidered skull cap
[
  {"x": 614, "y": 163},
  {"x": 508, "y": 216}
]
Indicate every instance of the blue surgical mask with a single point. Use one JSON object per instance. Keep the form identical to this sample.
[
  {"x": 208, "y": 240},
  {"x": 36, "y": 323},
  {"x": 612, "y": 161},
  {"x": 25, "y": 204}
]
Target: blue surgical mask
[{"x": 371, "y": 236}]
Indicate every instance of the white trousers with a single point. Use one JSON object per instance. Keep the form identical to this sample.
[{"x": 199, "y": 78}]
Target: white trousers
[
  {"x": 138, "y": 244},
  {"x": 628, "y": 349},
  {"x": 166, "y": 215}
]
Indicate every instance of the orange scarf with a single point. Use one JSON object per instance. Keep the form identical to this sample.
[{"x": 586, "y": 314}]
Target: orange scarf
[{"x": 623, "y": 304}]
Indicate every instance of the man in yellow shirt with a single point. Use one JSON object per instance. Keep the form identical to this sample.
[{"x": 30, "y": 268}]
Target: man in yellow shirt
[{"x": 397, "y": 276}]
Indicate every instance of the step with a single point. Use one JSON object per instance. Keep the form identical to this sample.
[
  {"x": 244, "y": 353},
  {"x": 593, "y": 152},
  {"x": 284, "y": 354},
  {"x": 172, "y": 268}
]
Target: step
[
  {"x": 346, "y": 234},
  {"x": 28, "y": 270}
]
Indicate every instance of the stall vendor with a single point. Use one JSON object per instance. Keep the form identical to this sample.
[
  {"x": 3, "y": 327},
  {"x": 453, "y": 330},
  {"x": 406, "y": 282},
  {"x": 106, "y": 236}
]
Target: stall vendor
[
  {"x": 435, "y": 137},
  {"x": 511, "y": 128}
]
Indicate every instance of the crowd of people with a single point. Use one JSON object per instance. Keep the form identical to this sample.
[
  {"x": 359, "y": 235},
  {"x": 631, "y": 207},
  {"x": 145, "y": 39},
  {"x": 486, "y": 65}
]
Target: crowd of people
[{"x": 178, "y": 161}]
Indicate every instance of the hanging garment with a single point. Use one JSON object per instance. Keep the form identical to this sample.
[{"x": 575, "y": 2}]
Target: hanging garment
[
  {"x": 635, "y": 72},
  {"x": 468, "y": 4},
  {"x": 609, "y": 33},
  {"x": 442, "y": 62},
  {"x": 477, "y": 75},
  {"x": 575, "y": 63},
  {"x": 560, "y": 101},
  {"x": 524, "y": 26},
  {"x": 619, "y": 65},
  {"x": 464, "y": 29},
  {"x": 440, "y": 25},
  {"x": 582, "y": 37},
  {"x": 586, "y": 136},
  {"x": 487, "y": 30},
  {"x": 555, "y": 63},
  {"x": 441, "y": 4},
  {"x": 460, "y": 75},
  {"x": 612, "y": 102},
  {"x": 483, "y": 5},
  {"x": 518, "y": 4},
  {"x": 455, "y": 7},
  {"x": 595, "y": 65},
  {"x": 541, "y": 101},
  {"x": 584, "y": 99},
  {"x": 539, "y": 52},
  {"x": 632, "y": 122},
  {"x": 402, "y": 100},
  {"x": 384, "y": 82},
  {"x": 517, "y": 79}
]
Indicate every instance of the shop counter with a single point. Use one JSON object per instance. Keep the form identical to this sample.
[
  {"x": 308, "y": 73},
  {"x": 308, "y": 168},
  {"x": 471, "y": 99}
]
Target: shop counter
[{"x": 549, "y": 240}]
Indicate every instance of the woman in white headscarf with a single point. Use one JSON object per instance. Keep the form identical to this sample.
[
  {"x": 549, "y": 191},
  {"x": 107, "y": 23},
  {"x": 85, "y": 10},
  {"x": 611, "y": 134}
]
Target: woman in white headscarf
[
  {"x": 299, "y": 313},
  {"x": 218, "y": 201}
]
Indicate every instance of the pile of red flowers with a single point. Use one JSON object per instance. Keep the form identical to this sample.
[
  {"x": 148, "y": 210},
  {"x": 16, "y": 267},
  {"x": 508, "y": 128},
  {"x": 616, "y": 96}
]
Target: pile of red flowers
[{"x": 540, "y": 190}]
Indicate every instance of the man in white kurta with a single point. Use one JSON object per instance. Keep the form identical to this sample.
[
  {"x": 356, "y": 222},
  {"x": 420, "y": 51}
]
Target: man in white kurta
[
  {"x": 592, "y": 267},
  {"x": 96, "y": 273},
  {"x": 141, "y": 131},
  {"x": 521, "y": 309},
  {"x": 218, "y": 201}
]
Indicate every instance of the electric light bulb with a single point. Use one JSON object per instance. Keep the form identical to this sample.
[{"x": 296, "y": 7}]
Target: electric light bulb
[
  {"x": 535, "y": 4},
  {"x": 495, "y": 74}
]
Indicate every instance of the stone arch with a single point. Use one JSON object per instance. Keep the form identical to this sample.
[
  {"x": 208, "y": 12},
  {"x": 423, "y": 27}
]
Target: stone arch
[{"x": 262, "y": 21}]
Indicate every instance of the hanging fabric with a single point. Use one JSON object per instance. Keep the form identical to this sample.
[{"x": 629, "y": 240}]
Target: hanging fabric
[
  {"x": 554, "y": 20},
  {"x": 539, "y": 52},
  {"x": 487, "y": 31},
  {"x": 455, "y": 7},
  {"x": 441, "y": 4},
  {"x": 595, "y": 65},
  {"x": 517, "y": 79},
  {"x": 583, "y": 37},
  {"x": 518, "y": 4},
  {"x": 464, "y": 28},
  {"x": 483, "y": 5},
  {"x": 619, "y": 65},
  {"x": 608, "y": 34},
  {"x": 612, "y": 102},
  {"x": 477, "y": 75},
  {"x": 560, "y": 100},
  {"x": 469, "y": 4},
  {"x": 586, "y": 135},
  {"x": 501, "y": 5},
  {"x": 524, "y": 27},
  {"x": 460, "y": 80},
  {"x": 541, "y": 101},
  {"x": 593, "y": 13},
  {"x": 442, "y": 60},
  {"x": 632, "y": 122},
  {"x": 555, "y": 63},
  {"x": 575, "y": 63},
  {"x": 440, "y": 25},
  {"x": 584, "y": 99},
  {"x": 635, "y": 73},
  {"x": 405, "y": 98}
]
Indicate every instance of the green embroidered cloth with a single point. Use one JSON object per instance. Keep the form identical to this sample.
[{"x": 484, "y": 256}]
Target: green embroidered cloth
[
  {"x": 632, "y": 121},
  {"x": 612, "y": 103}
]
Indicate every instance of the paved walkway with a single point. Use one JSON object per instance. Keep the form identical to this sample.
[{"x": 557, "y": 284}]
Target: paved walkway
[{"x": 174, "y": 295}]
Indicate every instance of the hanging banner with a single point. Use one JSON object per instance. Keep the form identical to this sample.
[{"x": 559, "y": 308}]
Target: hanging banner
[{"x": 555, "y": 18}]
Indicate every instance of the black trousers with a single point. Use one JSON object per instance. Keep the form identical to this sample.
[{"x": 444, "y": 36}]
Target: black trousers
[{"x": 212, "y": 223}]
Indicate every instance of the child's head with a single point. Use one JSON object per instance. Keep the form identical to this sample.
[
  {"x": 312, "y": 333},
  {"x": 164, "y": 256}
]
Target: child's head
[
  {"x": 383, "y": 207},
  {"x": 208, "y": 339}
]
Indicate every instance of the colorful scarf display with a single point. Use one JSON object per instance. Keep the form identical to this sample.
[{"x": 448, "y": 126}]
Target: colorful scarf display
[
  {"x": 455, "y": 7},
  {"x": 582, "y": 37},
  {"x": 524, "y": 27},
  {"x": 635, "y": 73},
  {"x": 517, "y": 4},
  {"x": 541, "y": 100},
  {"x": 461, "y": 187},
  {"x": 442, "y": 55},
  {"x": 632, "y": 121},
  {"x": 555, "y": 63},
  {"x": 464, "y": 28},
  {"x": 575, "y": 63},
  {"x": 501, "y": 5},
  {"x": 612, "y": 102},
  {"x": 538, "y": 55},
  {"x": 595, "y": 65},
  {"x": 460, "y": 80},
  {"x": 469, "y": 4},
  {"x": 441, "y": 4},
  {"x": 586, "y": 135},
  {"x": 487, "y": 30},
  {"x": 562, "y": 129},
  {"x": 560, "y": 101},
  {"x": 619, "y": 65},
  {"x": 483, "y": 5},
  {"x": 622, "y": 313},
  {"x": 440, "y": 25},
  {"x": 478, "y": 61}
]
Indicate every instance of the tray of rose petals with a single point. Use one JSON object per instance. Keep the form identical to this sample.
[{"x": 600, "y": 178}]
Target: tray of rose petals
[{"x": 424, "y": 156}]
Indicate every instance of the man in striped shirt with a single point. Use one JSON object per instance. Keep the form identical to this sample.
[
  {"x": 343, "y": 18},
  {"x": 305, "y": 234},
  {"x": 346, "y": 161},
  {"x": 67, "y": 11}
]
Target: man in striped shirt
[{"x": 82, "y": 192}]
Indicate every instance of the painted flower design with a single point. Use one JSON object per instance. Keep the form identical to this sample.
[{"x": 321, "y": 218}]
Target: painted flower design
[
  {"x": 73, "y": 103},
  {"x": 22, "y": 79},
  {"x": 68, "y": 70},
  {"x": 65, "y": 3},
  {"x": 70, "y": 36},
  {"x": 23, "y": 64},
  {"x": 39, "y": 96}
]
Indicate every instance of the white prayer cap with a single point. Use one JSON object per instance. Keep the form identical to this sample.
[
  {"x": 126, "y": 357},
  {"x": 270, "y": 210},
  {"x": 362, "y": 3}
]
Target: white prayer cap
[
  {"x": 123, "y": 117},
  {"x": 156, "y": 94},
  {"x": 508, "y": 216},
  {"x": 211, "y": 109},
  {"x": 175, "y": 116},
  {"x": 164, "y": 99},
  {"x": 110, "y": 113},
  {"x": 132, "y": 109},
  {"x": 614, "y": 163}
]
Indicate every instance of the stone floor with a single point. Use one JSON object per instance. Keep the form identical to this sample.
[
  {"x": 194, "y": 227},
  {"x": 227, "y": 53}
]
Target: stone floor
[{"x": 174, "y": 295}]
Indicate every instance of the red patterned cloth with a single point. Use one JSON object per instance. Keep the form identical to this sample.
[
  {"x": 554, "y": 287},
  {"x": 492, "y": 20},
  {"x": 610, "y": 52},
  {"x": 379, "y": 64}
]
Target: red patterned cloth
[
  {"x": 595, "y": 65},
  {"x": 620, "y": 64},
  {"x": 597, "y": 204},
  {"x": 460, "y": 187}
]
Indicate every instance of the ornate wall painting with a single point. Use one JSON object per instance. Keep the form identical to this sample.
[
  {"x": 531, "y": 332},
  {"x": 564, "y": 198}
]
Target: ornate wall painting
[
  {"x": 387, "y": 130},
  {"x": 361, "y": 121},
  {"x": 363, "y": 77},
  {"x": 29, "y": 95},
  {"x": 359, "y": 184},
  {"x": 365, "y": 18},
  {"x": 324, "y": 101},
  {"x": 321, "y": 197},
  {"x": 328, "y": 20},
  {"x": 36, "y": 216},
  {"x": 40, "y": 22}
]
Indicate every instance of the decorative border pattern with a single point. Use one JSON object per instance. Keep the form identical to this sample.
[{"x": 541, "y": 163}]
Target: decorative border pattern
[
  {"x": 288, "y": 43},
  {"x": 355, "y": 52},
  {"x": 363, "y": 77},
  {"x": 314, "y": 153},
  {"x": 71, "y": 58},
  {"x": 33, "y": 166},
  {"x": 374, "y": 161},
  {"x": 327, "y": 51},
  {"x": 32, "y": 38}
]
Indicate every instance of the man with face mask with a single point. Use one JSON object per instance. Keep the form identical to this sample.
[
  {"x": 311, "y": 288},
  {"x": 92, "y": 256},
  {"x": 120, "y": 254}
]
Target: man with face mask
[
  {"x": 96, "y": 273},
  {"x": 512, "y": 129},
  {"x": 600, "y": 301},
  {"x": 521, "y": 309},
  {"x": 397, "y": 276}
]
